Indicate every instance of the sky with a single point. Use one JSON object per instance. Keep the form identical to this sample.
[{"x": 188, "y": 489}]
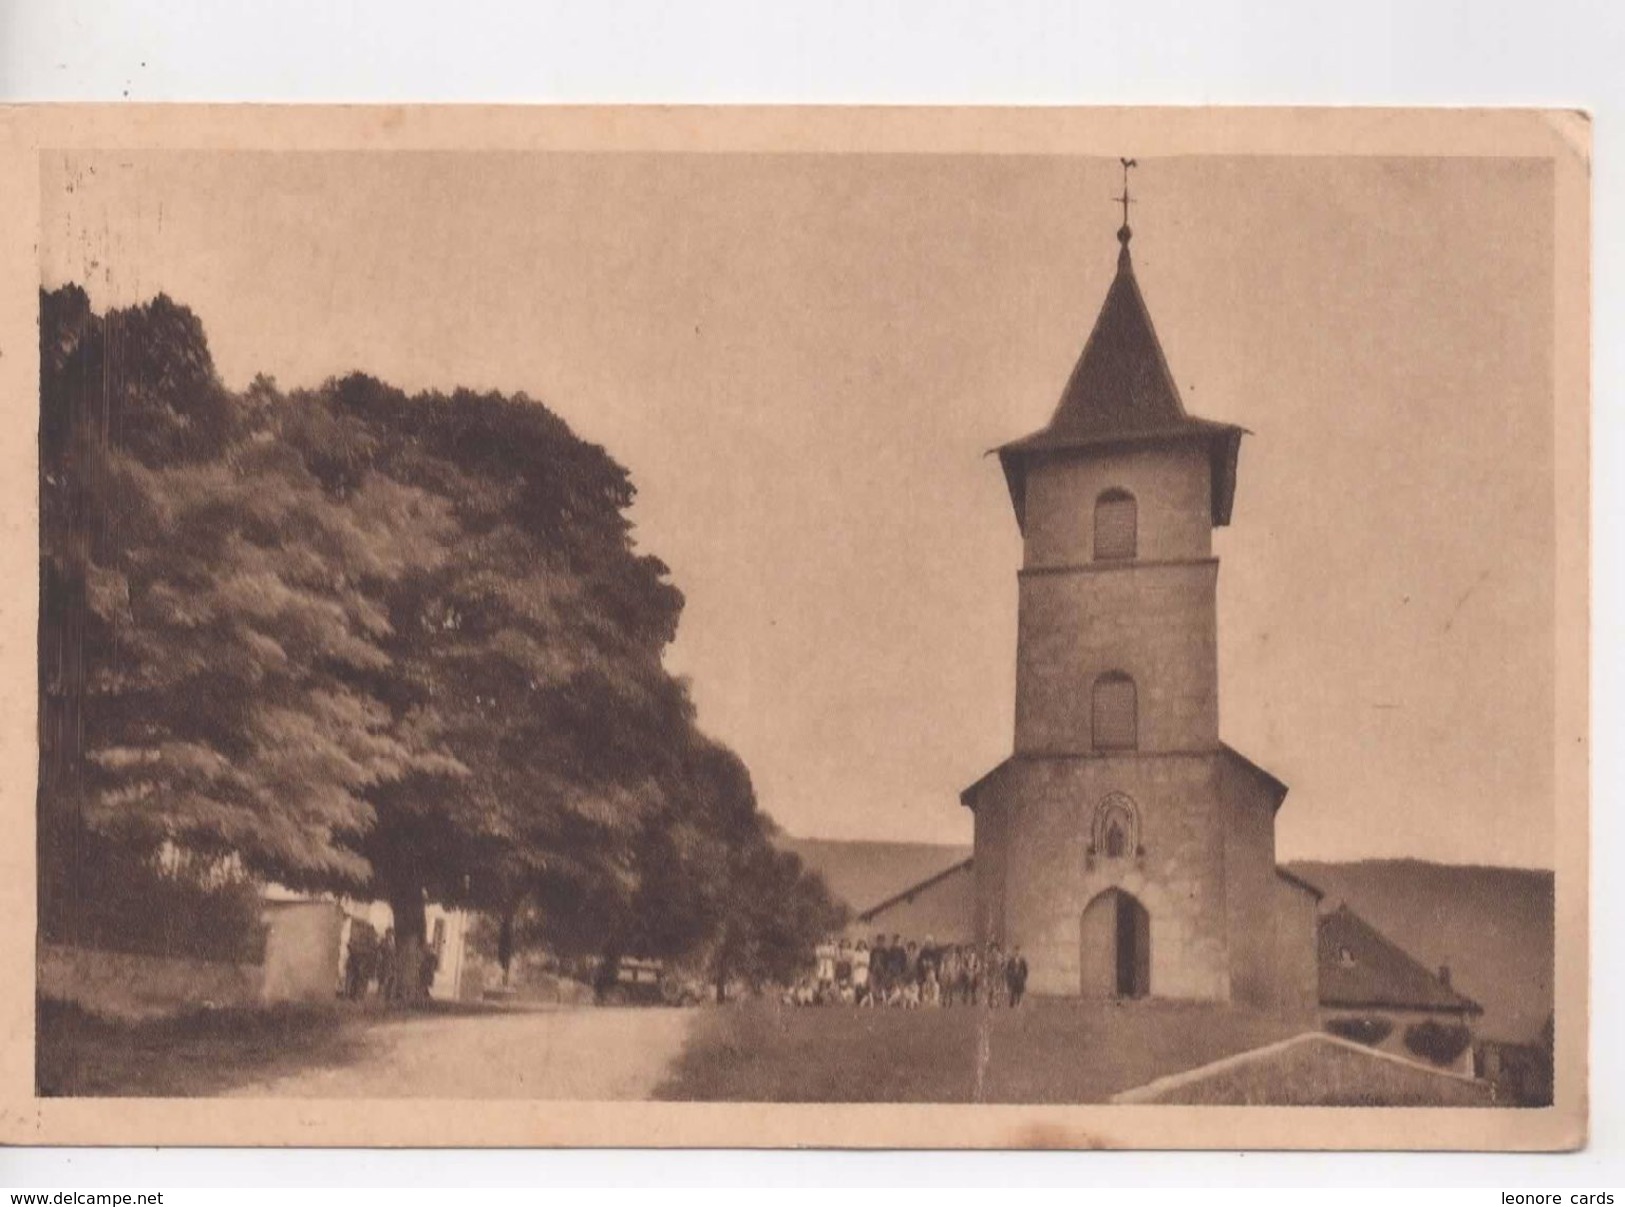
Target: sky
[{"x": 803, "y": 358}]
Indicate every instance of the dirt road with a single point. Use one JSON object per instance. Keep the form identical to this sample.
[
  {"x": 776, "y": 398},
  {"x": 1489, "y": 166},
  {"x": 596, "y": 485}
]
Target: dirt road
[{"x": 587, "y": 1053}]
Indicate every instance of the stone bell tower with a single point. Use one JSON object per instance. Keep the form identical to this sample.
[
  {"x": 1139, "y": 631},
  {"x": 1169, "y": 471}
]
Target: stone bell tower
[{"x": 1126, "y": 849}]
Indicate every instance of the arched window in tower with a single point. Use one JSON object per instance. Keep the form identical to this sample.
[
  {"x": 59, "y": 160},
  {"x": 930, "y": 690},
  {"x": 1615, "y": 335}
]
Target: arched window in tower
[
  {"x": 1115, "y": 721},
  {"x": 1116, "y": 525},
  {"x": 1116, "y": 832},
  {"x": 1116, "y": 839}
]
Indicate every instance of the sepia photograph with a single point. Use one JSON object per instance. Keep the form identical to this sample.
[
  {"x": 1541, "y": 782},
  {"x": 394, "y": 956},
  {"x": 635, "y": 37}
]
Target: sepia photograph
[{"x": 1003, "y": 611}]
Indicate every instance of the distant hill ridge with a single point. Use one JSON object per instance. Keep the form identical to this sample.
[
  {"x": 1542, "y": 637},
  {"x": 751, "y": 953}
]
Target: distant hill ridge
[{"x": 1493, "y": 926}]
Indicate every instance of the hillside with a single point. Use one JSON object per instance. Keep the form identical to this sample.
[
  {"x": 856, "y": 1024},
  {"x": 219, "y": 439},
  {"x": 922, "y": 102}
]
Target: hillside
[{"x": 1492, "y": 926}]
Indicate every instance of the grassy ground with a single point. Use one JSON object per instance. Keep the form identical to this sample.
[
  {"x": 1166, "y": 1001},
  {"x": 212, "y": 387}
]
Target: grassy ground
[
  {"x": 196, "y": 1055},
  {"x": 1324, "y": 1073},
  {"x": 1056, "y": 1051}
]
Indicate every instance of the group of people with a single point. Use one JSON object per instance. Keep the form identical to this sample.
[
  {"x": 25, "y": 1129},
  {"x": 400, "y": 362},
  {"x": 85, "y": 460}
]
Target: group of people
[
  {"x": 369, "y": 958},
  {"x": 906, "y": 974}
]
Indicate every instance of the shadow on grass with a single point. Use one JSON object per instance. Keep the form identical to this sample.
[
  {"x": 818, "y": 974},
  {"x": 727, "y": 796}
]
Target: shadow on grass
[
  {"x": 199, "y": 1054},
  {"x": 1045, "y": 1052}
]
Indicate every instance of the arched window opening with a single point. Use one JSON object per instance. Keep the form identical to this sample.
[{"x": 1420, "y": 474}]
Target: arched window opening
[
  {"x": 1116, "y": 833},
  {"x": 1115, "y": 720},
  {"x": 1116, "y": 525}
]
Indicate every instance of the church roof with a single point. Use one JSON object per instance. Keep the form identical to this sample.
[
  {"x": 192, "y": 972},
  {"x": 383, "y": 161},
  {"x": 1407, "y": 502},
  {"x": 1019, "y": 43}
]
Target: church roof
[
  {"x": 1272, "y": 783},
  {"x": 1361, "y": 968},
  {"x": 968, "y": 797},
  {"x": 862, "y": 872},
  {"x": 913, "y": 890},
  {"x": 1121, "y": 392},
  {"x": 1298, "y": 882}
]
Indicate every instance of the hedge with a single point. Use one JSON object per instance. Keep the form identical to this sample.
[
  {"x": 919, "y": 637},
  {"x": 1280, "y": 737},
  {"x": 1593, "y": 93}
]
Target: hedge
[
  {"x": 1438, "y": 1042},
  {"x": 1367, "y": 1030}
]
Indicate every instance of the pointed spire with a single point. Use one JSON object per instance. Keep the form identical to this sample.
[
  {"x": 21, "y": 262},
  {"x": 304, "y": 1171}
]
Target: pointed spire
[
  {"x": 1121, "y": 380},
  {"x": 1121, "y": 391}
]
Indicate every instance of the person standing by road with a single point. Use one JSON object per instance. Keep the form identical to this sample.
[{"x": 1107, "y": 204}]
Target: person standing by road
[
  {"x": 911, "y": 975},
  {"x": 427, "y": 968},
  {"x": 948, "y": 974},
  {"x": 879, "y": 970},
  {"x": 1015, "y": 976},
  {"x": 388, "y": 970},
  {"x": 993, "y": 976},
  {"x": 826, "y": 969}
]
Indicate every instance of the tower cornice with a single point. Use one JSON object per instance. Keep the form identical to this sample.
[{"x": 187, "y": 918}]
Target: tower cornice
[
  {"x": 1108, "y": 567},
  {"x": 1122, "y": 392}
]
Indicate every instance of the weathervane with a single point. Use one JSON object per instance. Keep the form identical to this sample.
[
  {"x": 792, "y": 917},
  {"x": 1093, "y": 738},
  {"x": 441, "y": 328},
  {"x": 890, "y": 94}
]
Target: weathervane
[{"x": 1124, "y": 234}]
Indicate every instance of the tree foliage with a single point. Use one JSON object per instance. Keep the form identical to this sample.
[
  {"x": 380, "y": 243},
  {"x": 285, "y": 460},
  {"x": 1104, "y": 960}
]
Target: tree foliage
[
  {"x": 376, "y": 643},
  {"x": 206, "y": 608},
  {"x": 167, "y": 902},
  {"x": 533, "y": 649}
]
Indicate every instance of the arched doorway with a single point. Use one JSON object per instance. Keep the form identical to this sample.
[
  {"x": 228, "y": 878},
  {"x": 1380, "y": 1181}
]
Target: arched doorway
[{"x": 1115, "y": 947}]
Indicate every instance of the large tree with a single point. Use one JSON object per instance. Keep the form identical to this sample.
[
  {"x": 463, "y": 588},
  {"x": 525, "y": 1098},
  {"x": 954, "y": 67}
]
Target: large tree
[
  {"x": 709, "y": 887},
  {"x": 533, "y": 650},
  {"x": 354, "y": 639},
  {"x": 205, "y": 607},
  {"x": 383, "y": 644}
]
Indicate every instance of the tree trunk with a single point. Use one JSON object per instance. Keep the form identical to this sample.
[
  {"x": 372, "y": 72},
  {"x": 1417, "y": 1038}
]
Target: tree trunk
[
  {"x": 725, "y": 953},
  {"x": 608, "y": 975},
  {"x": 411, "y": 927},
  {"x": 505, "y": 945},
  {"x": 65, "y": 609},
  {"x": 62, "y": 753},
  {"x": 59, "y": 873},
  {"x": 723, "y": 963}
]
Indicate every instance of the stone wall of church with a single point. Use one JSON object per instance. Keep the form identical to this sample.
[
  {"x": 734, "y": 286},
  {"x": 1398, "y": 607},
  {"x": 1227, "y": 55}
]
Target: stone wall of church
[
  {"x": 1250, "y": 885},
  {"x": 1222, "y": 924},
  {"x": 1273, "y": 936},
  {"x": 1154, "y": 622},
  {"x": 1171, "y": 486},
  {"x": 1297, "y": 968},
  {"x": 990, "y": 862},
  {"x": 1050, "y": 876}
]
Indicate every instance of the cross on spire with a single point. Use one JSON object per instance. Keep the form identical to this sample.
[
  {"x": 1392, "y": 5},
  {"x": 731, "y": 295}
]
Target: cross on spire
[{"x": 1124, "y": 234}]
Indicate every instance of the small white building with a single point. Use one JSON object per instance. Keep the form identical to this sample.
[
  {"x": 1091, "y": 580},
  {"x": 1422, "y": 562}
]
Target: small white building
[
  {"x": 447, "y": 937},
  {"x": 308, "y": 936}
]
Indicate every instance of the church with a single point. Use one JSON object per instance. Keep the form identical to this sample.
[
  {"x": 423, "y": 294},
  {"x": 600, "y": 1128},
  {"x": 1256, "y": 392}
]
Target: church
[{"x": 1123, "y": 846}]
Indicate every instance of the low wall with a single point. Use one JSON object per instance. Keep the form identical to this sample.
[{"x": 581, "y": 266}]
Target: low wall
[
  {"x": 1313, "y": 1070},
  {"x": 118, "y": 985},
  {"x": 301, "y": 951}
]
